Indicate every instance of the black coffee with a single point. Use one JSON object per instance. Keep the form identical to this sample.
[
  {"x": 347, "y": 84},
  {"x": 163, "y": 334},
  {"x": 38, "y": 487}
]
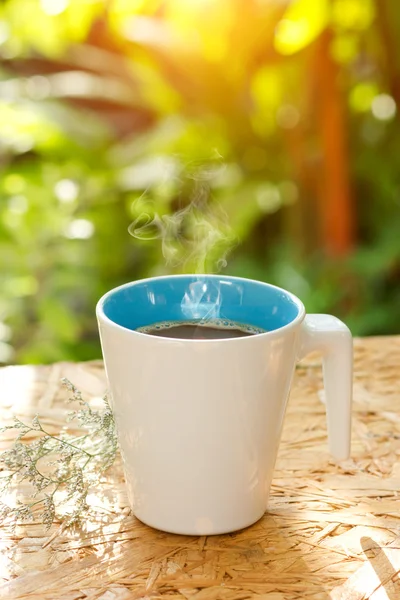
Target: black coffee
[{"x": 213, "y": 329}]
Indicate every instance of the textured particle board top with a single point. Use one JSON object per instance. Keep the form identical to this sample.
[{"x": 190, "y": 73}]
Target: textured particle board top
[{"x": 332, "y": 530}]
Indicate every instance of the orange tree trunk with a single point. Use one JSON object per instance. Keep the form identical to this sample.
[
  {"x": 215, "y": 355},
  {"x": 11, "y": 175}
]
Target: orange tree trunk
[{"x": 336, "y": 207}]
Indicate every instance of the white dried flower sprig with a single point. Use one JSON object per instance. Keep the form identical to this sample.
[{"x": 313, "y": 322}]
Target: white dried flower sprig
[{"x": 61, "y": 468}]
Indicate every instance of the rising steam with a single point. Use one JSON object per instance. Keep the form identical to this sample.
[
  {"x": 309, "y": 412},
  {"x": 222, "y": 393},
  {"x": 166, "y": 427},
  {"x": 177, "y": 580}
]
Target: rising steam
[{"x": 195, "y": 238}]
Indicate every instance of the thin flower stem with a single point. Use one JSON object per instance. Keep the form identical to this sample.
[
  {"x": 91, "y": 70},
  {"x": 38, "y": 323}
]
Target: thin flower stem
[{"x": 54, "y": 437}]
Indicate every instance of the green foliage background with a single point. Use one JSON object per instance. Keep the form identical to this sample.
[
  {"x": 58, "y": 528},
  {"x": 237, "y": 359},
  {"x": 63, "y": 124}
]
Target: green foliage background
[{"x": 107, "y": 106}]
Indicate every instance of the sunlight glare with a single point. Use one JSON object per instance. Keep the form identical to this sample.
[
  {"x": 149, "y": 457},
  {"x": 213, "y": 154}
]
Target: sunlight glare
[
  {"x": 17, "y": 388},
  {"x": 53, "y": 7},
  {"x": 380, "y": 594}
]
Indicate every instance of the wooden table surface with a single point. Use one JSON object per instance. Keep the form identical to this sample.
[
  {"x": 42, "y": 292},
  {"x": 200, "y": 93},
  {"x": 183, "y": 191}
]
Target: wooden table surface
[{"x": 332, "y": 530}]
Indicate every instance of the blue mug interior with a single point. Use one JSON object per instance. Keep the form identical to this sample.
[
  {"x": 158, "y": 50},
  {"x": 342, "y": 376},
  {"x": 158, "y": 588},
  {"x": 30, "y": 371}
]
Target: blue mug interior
[{"x": 200, "y": 297}]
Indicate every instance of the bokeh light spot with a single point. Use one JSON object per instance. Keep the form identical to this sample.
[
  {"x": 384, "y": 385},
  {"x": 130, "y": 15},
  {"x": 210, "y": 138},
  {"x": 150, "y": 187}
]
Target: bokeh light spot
[
  {"x": 353, "y": 14},
  {"x": 289, "y": 34},
  {"x": 287, "y": 116},
  {"x": 4, "y": 31},
  {"x": 23, "y": 143},
  {"x": 383, "y": 107},
  {"x": 25, "y": 285},
  {"x": 269, "y": 198},
  {"x": 303, "y": 21},
  {"x": 344, "y": 48},
  {"x": 18, "y": 204},
  {"x": 362, "y": 95},
  {"x": 6, "y": 352},
  {"x": 66, "y": 190},
  {"x": 5, "y": 332},
  {"x": 79, "y": 229},
  {"x": 14, "y": 183},
  {"x": 38, "y": 87}
]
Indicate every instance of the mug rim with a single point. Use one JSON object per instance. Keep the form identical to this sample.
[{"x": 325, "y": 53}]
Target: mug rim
[{"x": 101, "y": 316}]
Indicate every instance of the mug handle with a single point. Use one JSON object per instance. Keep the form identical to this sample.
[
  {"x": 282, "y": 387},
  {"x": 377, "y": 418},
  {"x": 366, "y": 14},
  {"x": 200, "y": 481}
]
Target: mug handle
[{"x": 333, "y": 339}]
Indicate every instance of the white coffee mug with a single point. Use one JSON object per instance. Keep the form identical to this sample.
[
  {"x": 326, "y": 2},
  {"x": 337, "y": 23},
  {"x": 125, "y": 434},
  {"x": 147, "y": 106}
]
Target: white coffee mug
[{"x": 199, "y": 421}]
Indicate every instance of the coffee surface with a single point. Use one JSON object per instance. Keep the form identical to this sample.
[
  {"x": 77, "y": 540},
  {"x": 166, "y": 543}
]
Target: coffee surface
[{"x": 217, "y": 329}]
